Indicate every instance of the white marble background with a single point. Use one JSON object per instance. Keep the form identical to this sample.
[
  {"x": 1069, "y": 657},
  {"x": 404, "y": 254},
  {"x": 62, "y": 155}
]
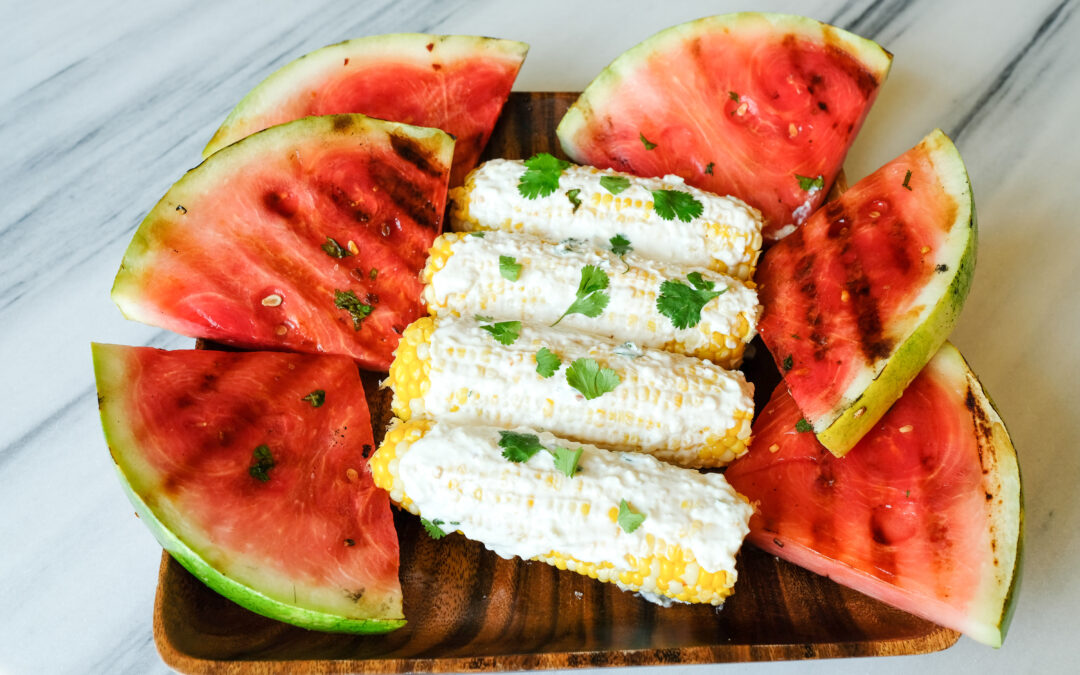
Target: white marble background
[{"x": 103, "y": 105}]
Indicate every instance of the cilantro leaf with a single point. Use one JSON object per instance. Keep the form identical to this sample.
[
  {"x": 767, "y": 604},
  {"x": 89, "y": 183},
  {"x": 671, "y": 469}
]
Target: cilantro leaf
[
  {"x": 787, "y": 363},
  {"x": 315, "y": 398},
  {"x": 629, "y": 519},
  {"x": 261, "y": 462},
  {"x": 572, "y": 195},
  {"x": 709, "y": 168},
  {"x": 591, "y": 299},
  {"x": 807, "y": 183},
  {"x": 614, "y": 184},
  {"x": 733, "y": 96},
  {"x": 620, "y": 245},
  {"x": 432, "y": 528},
  {"x": 671, "y": 204},
  {"x": 483, "y": 319},
  {"x": 683, "y": 304},
  {"x": 477, "y": 233},
  {"x": 803, "y": 426},
  {"x": 541, "y": 177},
  {"x": 509, "y": 268},
  {"x": 334, "y": 249},
  {"x": 519, "y": 447},
  {"x": 348, "y": 301},
  {"x": 566, "y": 460},
  {"x": 646, "y": 143},
  {"x": 547, "y": 362},
  {"x": 590, "y": 379},
  {"x": 504, "y": 332}
]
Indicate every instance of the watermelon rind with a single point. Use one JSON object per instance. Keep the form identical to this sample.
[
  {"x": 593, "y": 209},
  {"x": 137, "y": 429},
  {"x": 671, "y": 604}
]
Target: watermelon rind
[
  {"x": 285, "y": 81},
  {"x": 869, "y": 397},
  {"x": 123, "y": 446}
]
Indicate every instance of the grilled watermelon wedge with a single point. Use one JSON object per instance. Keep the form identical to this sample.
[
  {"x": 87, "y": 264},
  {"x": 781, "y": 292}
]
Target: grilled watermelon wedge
[
  {"x": 308, "y": 236},
  {"x": 250, "y": 470},
  {"x": 925, "y": 513},
  {"x": 760, "y": 106},
  {"x": 457, "y": 83},
  {"x": 860, "y": 297}
]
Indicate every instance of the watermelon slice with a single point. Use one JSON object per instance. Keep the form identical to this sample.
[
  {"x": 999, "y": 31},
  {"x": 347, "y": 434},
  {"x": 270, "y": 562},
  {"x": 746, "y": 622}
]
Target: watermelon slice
[
  {"x": 308, "y": 236},
  {"x": 760, "y": 106},
  {"x": 250, "y": 470},
  {"x": 925, "y": 513},
  {"x": 862, "y": 295},
  {"x": 456, "y": 83}
]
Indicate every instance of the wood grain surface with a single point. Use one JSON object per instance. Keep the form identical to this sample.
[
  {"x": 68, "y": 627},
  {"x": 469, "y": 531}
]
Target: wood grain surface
[{"x": 470, "y": 610}]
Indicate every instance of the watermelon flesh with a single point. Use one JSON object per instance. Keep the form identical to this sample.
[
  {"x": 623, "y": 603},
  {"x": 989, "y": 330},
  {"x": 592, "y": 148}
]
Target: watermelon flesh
[
  {"x": 925, "y": 513},
  {"x": 300, "y": 533},
  {"x": 456, "y": 83},
  {"x": 739, "y": 104},
  {"x": 308, "y": 237},
  {"x": 860, "y": 297}
]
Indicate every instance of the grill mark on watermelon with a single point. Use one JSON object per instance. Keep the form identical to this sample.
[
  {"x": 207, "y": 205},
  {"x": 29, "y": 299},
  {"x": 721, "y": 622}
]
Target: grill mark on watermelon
[
  {"x": 804, "y": 270},
  {"x": 414, "y": 153},
  {"x": 406, "y": 196},
  {"x": 342, "y": 200}
]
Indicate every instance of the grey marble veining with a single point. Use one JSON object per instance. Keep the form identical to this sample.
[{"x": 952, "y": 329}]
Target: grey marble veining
[{"x": 104, "y": 105}]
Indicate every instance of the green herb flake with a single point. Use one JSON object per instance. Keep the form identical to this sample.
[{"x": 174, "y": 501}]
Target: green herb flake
[
  {"x": 261, "y": 463},
  {"x": 432, "y": 528},
  {"x": 629, "y": 350},
  {"x": 709, "y": 168},
  {"x": 907, "y": 493},
  {"x": 504, "y": 332},
  {"x": 682, "y": 303},
  {"x": 629, "y": 519},
  {"x": 907, "y": 177},
  {"x": 802, "y": 426},
  {"x": 788, "y": 363},
  {"x": 547, "y": 362},
  {"x": 733, "y": 96},
  {"x": 509, "y": 268},
  {"x": 315, "y": 398},
  {"x": 806, "y": 183},
  {"x": 591, "y": 298},
  {"x": 672, "y": 204},
  {"x": 477, "y": 234},
  {"x": 482, "y": 318},
  {"x": 519, "y": 447},
  {"x": 572, "y": 195},
  {"x": 620, "y": 245},
  {"x": 566, "y": 460},
  {"x": 590, "y": 379},
  {"x": 374, "y": 273},
  {"x": 541, "y": 177},
  {"x": 614, "y": 184},
  {"x": 334, "y": 249},
  {"x": 348, "y": 301},
  {"x": 644, "y": 141}
]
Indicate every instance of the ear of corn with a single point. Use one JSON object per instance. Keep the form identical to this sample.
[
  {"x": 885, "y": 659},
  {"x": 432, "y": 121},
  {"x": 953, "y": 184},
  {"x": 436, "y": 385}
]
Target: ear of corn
[
  {"x": 725, "y": 238},
  {"x": 463, "y": 279},
  {"x": 458, "y": 478},
  {"x": 680, "y": 409}
]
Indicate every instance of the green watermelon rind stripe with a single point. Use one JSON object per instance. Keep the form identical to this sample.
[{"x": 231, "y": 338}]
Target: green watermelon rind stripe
[
  {"x": 112, "y": 372},
  {"x": 313, "y": 66},
  {"x": 876, "y": 59}
]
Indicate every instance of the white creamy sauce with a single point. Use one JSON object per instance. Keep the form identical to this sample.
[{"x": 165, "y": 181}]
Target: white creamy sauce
[
  {"x": 495, "y": 202},
  {"x": 457, "y": 474}
]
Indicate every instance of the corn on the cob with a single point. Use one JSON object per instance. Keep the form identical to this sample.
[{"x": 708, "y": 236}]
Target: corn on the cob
[
  {"x": 463, "y": 278},
  {"x": 680, "y": 409},
  {"x": 458, "y": 478},
  {"x": 725, "y": 238}
]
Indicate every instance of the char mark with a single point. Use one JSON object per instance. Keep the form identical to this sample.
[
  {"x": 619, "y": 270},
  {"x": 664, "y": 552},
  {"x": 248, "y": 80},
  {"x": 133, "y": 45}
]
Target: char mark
[
  {"x": 406, "y": 195},
  {"x": 414, "y": 153}
]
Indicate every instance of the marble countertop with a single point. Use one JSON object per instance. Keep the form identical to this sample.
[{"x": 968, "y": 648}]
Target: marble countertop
[{"x": 102, "y": 109}]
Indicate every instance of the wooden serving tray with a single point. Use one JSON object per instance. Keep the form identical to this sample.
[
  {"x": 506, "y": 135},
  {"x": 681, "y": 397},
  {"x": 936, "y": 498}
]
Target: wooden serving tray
[{"x": 470, "y": 610}]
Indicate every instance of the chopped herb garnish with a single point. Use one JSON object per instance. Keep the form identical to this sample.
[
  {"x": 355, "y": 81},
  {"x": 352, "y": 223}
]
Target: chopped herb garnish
[
  {"x": 483, "y": 318},
  {"x": 374, "y": 273},
  {"x": 620, "y": 245},
  {"x": 591, "y": 298},
  {"x": 334, "y": 249},
  {"x": 803, "y": 426},
  {"x": 315, "y": 398},
  {"x": 477, "y": 234},
  {"x": 806, "y": 183},
  {"x": 261, "y": 462},
  {"x": 432, "y": 528},
  {"x": 733, "y": 96},
  {"x": 566, "y": 460},
  {"x": 590, "y": 379},
  {"x": 907, "y": 177},
  {"x": 672, "y": 204},
  {"x": 709, "y": 168},
  {"x": 644, "y": 141},
  {"x": 682, "y": 303},
  {"x": 614, "y": 184},
  {"x": 907, "y": 493},
  {"x": 519, "y": 447},
  {"x": 788, "y": 363},
  {"x": 629, "y": 519},
  {"x": 572, "y": 195},
  {"x": 541, "y": 177},
  {"x": 629, "y": 350},
  {"x": 547, "y": 362},
  {"x": 509, "y": 268},
  {"x": 504, "y": 332},
  {"x": 568, "y": 245},
  {"x": 348, "y": 301}
]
